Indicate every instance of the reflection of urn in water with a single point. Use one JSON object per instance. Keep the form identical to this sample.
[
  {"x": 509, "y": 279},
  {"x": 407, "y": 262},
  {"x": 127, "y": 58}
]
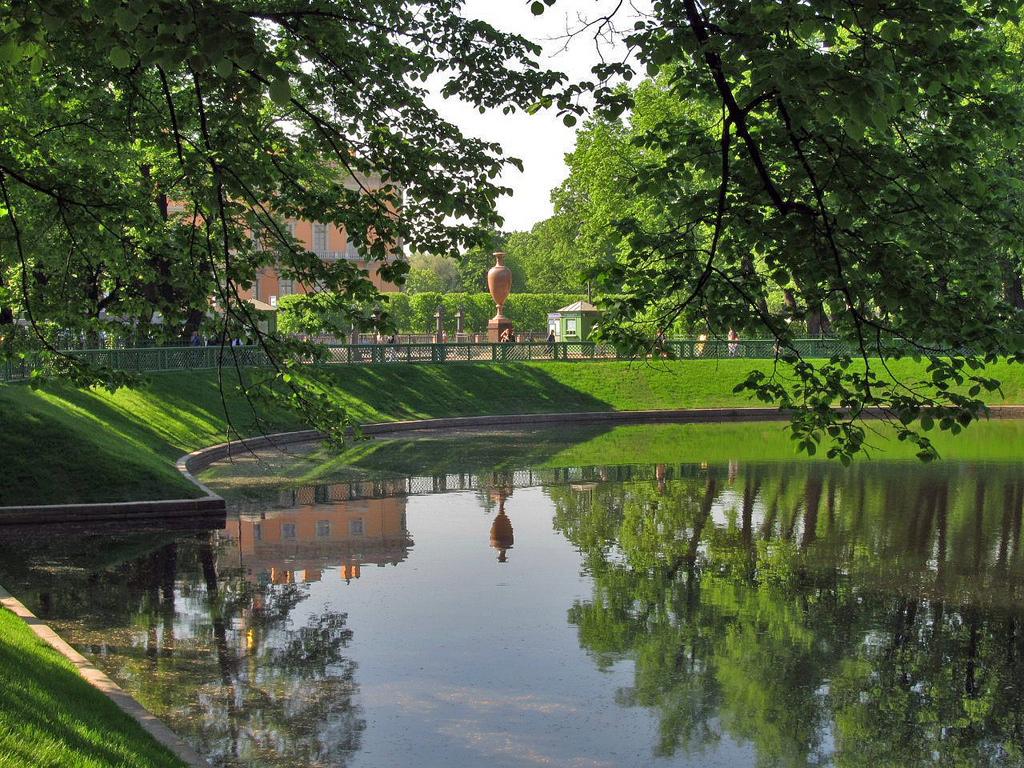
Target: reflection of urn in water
[
  {"x": 501, "y": 529},
  {"x": 499, "y": 283}
]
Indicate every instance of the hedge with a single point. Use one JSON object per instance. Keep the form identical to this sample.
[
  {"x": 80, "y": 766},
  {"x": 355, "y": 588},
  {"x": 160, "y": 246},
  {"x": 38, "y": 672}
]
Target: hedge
[
  {"x": 527, "y": 311},
  {"x": 414, "y": 313}
]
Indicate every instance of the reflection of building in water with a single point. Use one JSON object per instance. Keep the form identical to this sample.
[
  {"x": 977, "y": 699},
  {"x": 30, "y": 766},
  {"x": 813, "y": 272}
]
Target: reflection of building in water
[{"x": 313, "y": 528}]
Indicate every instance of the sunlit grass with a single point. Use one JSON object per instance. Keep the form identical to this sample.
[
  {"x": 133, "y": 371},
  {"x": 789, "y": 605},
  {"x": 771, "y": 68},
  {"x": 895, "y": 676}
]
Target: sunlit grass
[
  {"x": 49, "y": 716},
  {"x": 65, "y": 445}
]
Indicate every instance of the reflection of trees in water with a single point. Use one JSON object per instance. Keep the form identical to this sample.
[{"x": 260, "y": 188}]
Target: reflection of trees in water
[
  {"x": 215, "y": 655},
  {"x": 866, "y": 618}
]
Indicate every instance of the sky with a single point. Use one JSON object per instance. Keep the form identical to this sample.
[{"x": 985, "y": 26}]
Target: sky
[{"x": 540, "y": 141}]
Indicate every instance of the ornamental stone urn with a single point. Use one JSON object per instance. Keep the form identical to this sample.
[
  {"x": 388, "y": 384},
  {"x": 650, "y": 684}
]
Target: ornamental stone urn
[{"x": 499, "y": 283}]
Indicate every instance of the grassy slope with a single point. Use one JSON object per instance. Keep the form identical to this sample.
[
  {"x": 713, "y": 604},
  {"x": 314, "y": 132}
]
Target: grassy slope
[
  {"x": 63, "y": 445},
  {"x": 49, "y": 716},
  {"x": 750, "y": 443}
]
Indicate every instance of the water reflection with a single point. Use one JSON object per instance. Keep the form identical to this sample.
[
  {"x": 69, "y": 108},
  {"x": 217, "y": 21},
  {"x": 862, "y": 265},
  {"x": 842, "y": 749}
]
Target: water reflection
[
  {"x": 869, "y": 617},
  {"x": 502, "y": 536},
  {"x": 753, "y": 613},
  {"x": 200, "y": 629}
]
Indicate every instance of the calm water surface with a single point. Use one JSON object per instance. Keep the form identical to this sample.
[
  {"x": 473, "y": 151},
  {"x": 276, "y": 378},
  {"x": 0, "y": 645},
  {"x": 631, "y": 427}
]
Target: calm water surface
[{"x": 512, "y": 600}]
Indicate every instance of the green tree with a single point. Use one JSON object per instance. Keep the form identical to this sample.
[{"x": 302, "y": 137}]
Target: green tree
[
  {"x": 855, "y": 157},
  {"x": 429, "y": 272},
  {"x": 475, "y": 262},
  {"x": 115, "y": 111},
  {"x": 549, "y": 256}
]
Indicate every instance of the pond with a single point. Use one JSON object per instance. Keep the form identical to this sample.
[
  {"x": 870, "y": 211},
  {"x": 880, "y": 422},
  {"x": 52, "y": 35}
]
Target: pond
[{"x": 660, "y": 595}]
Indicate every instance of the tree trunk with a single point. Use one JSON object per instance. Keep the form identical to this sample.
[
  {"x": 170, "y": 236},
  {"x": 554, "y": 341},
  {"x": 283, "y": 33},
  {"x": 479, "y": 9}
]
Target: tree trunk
[
  {"x": 817, "y": 322},
  {"x": 1013, "y": 286}
]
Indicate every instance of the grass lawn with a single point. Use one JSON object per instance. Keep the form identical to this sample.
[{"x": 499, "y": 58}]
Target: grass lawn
[
  {"x": 63, "y": 445},
  {"x": 50, "y": 717}
]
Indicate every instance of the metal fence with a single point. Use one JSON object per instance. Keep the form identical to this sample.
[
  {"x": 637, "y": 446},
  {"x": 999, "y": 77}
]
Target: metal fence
[{"x": 151, "y": 359}]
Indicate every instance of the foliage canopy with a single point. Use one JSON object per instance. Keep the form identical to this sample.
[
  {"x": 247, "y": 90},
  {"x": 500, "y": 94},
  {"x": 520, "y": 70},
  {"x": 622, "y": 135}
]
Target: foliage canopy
[
  {"x": 242, "y": 114},
  {"x": 861, "y": 159}
]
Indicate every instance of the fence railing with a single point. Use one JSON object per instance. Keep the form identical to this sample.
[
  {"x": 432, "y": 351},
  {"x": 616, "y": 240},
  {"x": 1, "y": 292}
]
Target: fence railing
[{"x": 151, "y": 359}]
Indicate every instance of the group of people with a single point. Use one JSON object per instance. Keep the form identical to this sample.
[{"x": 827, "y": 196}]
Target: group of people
[
  {"x": 213, "y": 341},
  {"x": 698, "y": 348}
]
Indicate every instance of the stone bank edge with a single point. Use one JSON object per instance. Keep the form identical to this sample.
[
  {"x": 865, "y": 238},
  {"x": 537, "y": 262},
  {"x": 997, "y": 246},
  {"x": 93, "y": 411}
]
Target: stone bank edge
[{"x": 94, "y": 677}]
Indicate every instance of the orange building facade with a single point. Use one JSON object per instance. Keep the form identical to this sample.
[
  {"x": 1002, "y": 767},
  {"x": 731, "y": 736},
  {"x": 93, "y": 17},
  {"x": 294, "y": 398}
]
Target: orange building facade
[{"x": 328, "y": 242}]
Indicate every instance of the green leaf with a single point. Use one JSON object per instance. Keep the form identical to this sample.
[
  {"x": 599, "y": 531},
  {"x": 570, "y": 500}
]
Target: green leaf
[
  {"x": 10, "y": 51},
  {"x": 889, "y": 31},
  {"x": 119, "y": 57},
  {"x": 537, "y": 8},
  {"x": 280, "y": 91},
  {"x": 125, "y": 19}
]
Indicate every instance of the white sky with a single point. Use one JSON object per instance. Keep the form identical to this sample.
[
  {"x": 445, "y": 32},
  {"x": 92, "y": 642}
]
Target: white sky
[{"x": 540, "y": 141}]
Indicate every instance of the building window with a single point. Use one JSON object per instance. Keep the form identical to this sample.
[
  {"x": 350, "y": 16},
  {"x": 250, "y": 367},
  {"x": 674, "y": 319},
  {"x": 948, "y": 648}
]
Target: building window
[
  {"x": 570, "y": 326},
  {"x": 287, "y": 530},
  {"x": 323, "y": 529},
  {"x": 285, "y": 287},
  {"x": 355, "y": 527},
  {"x": 290, "y": 226},
  {"x": 319, "y": 238},
  {"x": 257, "y": 532},
  {"x": 256, "y": 288}
]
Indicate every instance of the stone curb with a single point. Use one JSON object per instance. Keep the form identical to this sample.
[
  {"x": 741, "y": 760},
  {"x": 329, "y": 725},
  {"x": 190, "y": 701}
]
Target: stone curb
[
  {"x": 94, "y": 677},
  {"x": 112, "y": 511}
]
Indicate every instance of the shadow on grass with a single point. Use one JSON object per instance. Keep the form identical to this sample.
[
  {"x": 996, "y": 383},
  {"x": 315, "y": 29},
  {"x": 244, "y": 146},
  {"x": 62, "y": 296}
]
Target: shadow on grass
[
  {"x": 54, "y": 454},
  {"x": 410, "y": 391}
]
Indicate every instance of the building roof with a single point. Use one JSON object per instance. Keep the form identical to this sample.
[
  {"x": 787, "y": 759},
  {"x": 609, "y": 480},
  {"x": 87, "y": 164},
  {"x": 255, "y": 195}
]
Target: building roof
[
  {"x": 580, "y": 306},
  {"x": 261, "y": 305}
]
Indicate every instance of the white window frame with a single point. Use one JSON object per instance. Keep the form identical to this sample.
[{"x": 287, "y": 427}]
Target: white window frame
[{"x": 320, "y": 238}]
